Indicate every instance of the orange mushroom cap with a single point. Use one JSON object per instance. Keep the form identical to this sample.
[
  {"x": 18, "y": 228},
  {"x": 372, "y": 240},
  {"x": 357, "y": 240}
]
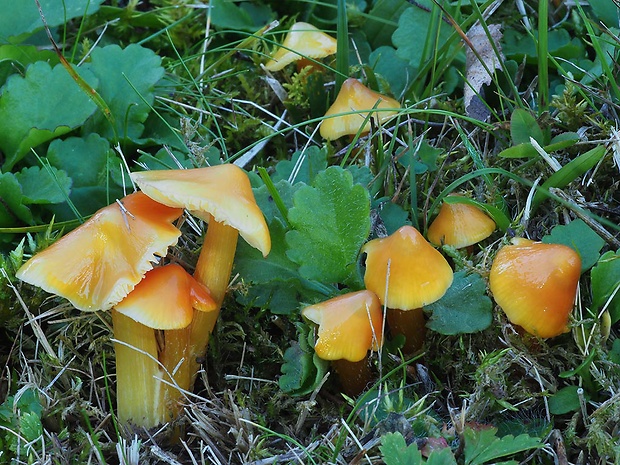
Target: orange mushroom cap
[
  {"x": 303, "y": 40},
  {"x": 221, "y": 191},
  {"x": 349, "y": 326},
  {"x": 418, "y": 274},
  {"x": 354, "y": 96},
  {"x": 459, "y": 225},
  {"x": 535, "y": 284},
  {"x": 165, "y": 299},
  {"x": 97, "y": 264}
]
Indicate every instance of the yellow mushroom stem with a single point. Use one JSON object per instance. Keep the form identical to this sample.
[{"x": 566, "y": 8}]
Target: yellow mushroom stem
[
  {"x": 139, "y": 394},
  {"x": 409, "y": 323},
  {"x": 353, "y": 376},
  {"x": 213, "y": 270}
]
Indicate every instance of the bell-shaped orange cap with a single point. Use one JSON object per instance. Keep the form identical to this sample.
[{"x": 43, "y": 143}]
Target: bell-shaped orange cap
[
  {"x": 165, "y": 299},
  {"x": 405, "y": 271},
  {"x": 355, "y": 97},
  {"x": 535, "y": 284},
  {"x": 303, "y": 41},
  {"x": 349, "y": 326},
  {"x": 459, "y": 225},
  {"x": 222, "y": 191},
  {"x": 97, "y": 264}
]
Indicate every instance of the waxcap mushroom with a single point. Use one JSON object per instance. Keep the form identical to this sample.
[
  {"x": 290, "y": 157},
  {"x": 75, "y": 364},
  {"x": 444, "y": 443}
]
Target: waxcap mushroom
[
  {"x": 165, "y": 299},
  {"x": 535, "y": 284},
  {"x": 222, "y": 191},
  {"x": 349, "y": 326},
  {"x": 459, "y": 225},
  {"x": 356, "y": 97},
  {"x": 303, "y": 40},
  {"x": 418, "y": 273},
  {"x": 97, "y": 264}
]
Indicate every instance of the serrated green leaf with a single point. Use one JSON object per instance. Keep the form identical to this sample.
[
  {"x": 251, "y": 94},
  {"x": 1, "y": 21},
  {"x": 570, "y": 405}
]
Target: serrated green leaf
[
  {"x": 465, "y": 308},
  {"x": 267, "y": 204},
  {"x": 302, "y": 370},
  {"x": 382, "y": 21},
  {"x": 523, "y": 126},
  {"x": 482, "y": 446},
  {"x": 393, "y": 216},
  {"x": 425, "y": 159},
  {"x": 20, "y": 19},
  {"x": 44, "y": 185},
  {"x": 299, "y": 169},
  {"x": 331, "y": 221},
  {"x": 94, "y": 168},
  {"x": 396, "y": 71},
  {"x": 441, "y": 457},
  {"x": 564, "y": 401},
  {"x": 12, "y": 208},
  {"x": 30, "y": 426},
  {"x": 38, "y": 107},
  {"x": 127, "y": 81},
  {"x": 581, "y": 238},
  {"x": 245, "y": 17},
  {"x": 395, "y": 450},
  {"x": 605, "y": 280},
  {"x": 277, "y": 266},
  {"x": 276, "y": 281},
  {"x": 15, "y": 59},
  {"x": 416, "y": 22}
]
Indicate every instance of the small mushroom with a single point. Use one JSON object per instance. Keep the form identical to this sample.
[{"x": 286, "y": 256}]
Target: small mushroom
[
  {"x": 356, "y": 97},
  {"x": 152, "y": 366},
  {"x": 407, "y": 273},
  {"x": 535, "y": 284},
  {"x": 303, "y": 41},
  {"x": 459, "y": 225},
  {"x": 222, "y": 196},
  {"x": 349, "y": 326}
]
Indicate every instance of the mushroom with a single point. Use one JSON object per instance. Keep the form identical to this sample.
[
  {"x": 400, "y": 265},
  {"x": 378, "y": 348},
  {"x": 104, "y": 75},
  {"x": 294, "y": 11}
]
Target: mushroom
[
  {"x": 356, "y": 97},
  {"x": 152, "y": 366},
  {"x": 535, "y": 284},
  {"x": 349, "y": 326},
  {"x": 222, "y": 196},
  {"x": 97, "y": 264},
  {"x": 407, "y": 273},
  {"x": 459, "y": 225},
  {"x": 303, "y": 41}
]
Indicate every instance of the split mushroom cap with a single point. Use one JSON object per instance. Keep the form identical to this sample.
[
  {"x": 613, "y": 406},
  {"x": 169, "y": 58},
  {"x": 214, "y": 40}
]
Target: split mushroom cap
[
  {"x": 356, "y": 97},
  {"x": 303, "y": 40},
  {"x": 165, "y": 299},
  {"x": 97, "y": 264},
  {"x": 416, "y": 274},
  {"x": 222, "y": 191},
  {"x": 349, "y": 326},
  {"x": 460, "y": 225},
  {"x": 535, "y": 284}
]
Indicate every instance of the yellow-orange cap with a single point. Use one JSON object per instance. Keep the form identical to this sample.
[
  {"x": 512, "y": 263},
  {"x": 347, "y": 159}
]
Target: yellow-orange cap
[
  {"x": 221, "y": 191},
  {"x": 535, "y": 284},
  {"x": 459, "y": 225},
  {"x": 97, "y": 264},
  {"x": 165, "y": 299},
  {"x": 349, "y": 326},
  {"x": 418, "y": 274},
  {"x": 303, "y": 40},
  {"x": 355, "y": 96}
]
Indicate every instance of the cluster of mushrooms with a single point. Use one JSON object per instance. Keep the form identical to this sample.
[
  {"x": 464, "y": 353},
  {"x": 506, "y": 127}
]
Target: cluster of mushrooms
[
  {"x": 162, "y": 316},
  {"x": 534, "y": 283}
]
